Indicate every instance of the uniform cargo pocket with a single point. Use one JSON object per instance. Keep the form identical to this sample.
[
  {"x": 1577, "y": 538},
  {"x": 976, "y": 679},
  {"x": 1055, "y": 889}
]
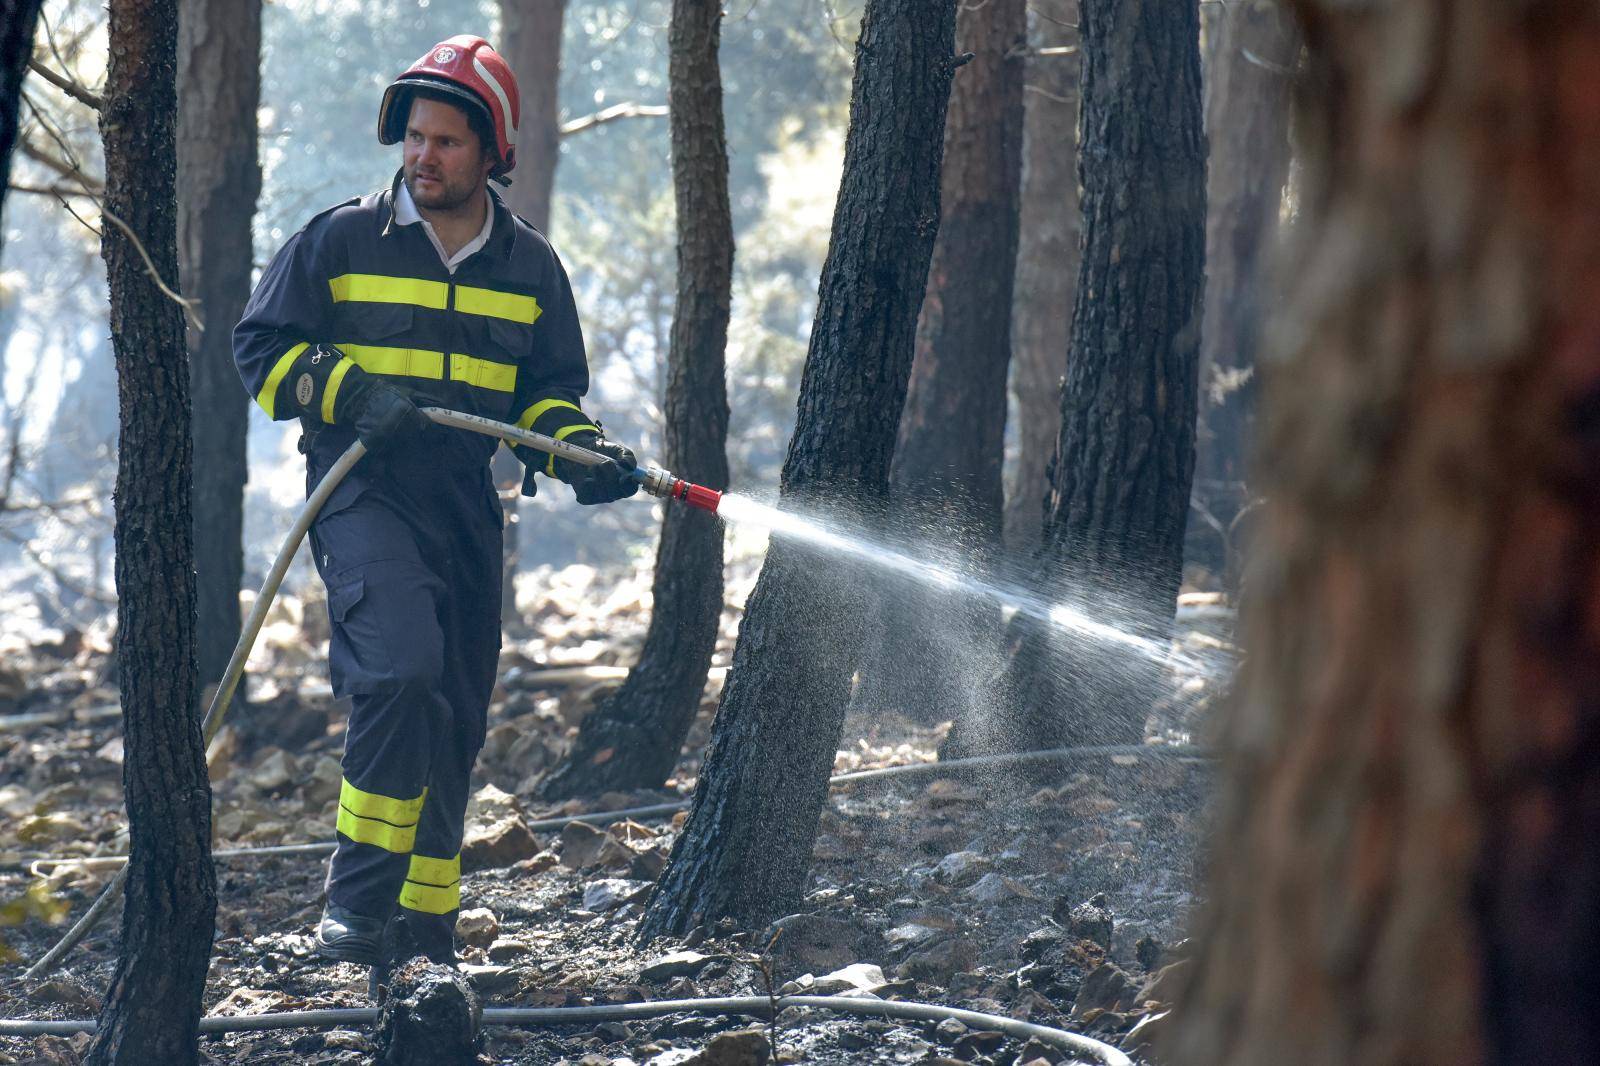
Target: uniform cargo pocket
[{"x": 343, "y": 597}]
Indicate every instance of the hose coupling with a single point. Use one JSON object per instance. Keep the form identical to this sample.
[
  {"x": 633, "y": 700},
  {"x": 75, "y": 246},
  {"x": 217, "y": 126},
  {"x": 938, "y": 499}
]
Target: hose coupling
[{"x": 659, "y": 482}]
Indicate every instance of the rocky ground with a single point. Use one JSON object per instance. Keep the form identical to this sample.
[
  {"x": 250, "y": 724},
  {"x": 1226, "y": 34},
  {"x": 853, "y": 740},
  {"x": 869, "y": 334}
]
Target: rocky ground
[{"x": 1057, "y": 899}]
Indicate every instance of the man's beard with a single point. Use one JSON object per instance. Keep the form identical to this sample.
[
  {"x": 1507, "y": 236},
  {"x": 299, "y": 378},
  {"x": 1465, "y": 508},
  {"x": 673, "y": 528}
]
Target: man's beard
[{"x": 445, "y": 196}]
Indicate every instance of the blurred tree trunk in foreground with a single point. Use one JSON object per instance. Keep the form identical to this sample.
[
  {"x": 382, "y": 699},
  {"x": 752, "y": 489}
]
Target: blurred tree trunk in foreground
[
  {"x": 153, "y": 1006},
  {"x": 632, "y": 739},
  {"x": 1119, "y": 494},
  {"x": 1047, "y": 261},
  {"x": 945, "y": 479},
  {"x": 745, "y": 851},
  {"x": 18, "y": 19},
  {"x": 1252, "y": 57},
  {"x": 532, "y": 46},
  {"x": 219, "y": 178},
  {"x": 1410, "y": 802}
]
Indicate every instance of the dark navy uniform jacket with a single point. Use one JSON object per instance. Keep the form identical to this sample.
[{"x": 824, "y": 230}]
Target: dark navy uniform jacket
[{"x": 499, "y": 338}]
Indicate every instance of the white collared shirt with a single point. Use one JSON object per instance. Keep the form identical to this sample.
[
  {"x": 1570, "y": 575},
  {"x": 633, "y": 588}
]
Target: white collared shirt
[{"x": 405, "y": 213}]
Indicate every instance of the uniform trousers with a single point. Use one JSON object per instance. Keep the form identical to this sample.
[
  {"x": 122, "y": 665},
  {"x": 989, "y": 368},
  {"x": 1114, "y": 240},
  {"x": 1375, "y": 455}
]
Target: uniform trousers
[{"x": 409, "y": 547}]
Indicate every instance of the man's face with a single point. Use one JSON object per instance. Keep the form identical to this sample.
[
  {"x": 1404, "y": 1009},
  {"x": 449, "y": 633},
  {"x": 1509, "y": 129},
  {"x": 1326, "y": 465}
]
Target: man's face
[{"x": 445, "y": 164}]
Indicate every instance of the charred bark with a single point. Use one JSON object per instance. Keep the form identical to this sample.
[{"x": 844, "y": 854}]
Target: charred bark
[
  {"x": 1119, "y": 493},
  {"x": 632, "y": 739},
  {"x": 18, "y": 20},
  {"x": 219, "y": 179},
  {"x": 1047, "y": 263},
  {"x": 945, "y": 479},
  {"x": 152, "y": 1008},
  {"x": 1248, "y": 79},
  {"x": 533, "y": 49},
  {"x": 1410, "y": 792},
  {"x": 745, "y": 851}
]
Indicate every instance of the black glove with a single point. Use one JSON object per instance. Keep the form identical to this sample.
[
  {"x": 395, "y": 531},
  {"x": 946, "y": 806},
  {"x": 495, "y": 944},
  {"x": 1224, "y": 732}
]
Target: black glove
[
  {"x": 383, "y": 417},
  {"x": 606, "y": 483}
]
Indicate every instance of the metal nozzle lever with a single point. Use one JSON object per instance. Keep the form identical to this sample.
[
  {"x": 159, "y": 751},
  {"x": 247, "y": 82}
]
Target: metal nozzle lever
[{"x": 658, "y": 482}]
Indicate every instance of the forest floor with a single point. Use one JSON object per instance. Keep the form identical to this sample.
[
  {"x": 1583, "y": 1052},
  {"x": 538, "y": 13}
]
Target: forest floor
[{"x": 1057, "y": 896}]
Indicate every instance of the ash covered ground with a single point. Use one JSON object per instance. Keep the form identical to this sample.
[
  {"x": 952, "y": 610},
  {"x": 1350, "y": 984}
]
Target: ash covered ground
[{"x": 1055, "y": 895}]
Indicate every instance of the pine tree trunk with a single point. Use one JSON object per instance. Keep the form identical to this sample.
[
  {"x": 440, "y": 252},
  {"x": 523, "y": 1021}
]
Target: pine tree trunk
[
  {"x": 1119, "y": 496},
  {"x": 17, "y": 22},
  {"x": 1047, "y": 263},
  {"x": 219, "y": 178},
  {"x": 745, "y": 851},
  {"x": 1410, "y": 792},
  {"x": 945, "y": 478},
  {"x": 633, "y": 738},
  {"x": 532, "y": 31},
  {"x": 1248, "y": 78},
  {"x": 153, "y": 1006}
]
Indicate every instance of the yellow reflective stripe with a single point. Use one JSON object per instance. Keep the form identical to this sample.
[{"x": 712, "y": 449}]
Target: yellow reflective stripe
[
  {"x": 531, "y": 415},
  {"x": 440, "y": 873},
  {"x": 432, "y": 886},
  {"x": 506, "y": 305},
  {"x": 430, "y": 899},
  {"x": 562, "y": 434},
  {"x": 379, "y": 289},
  {"x": 398, "y": 362},
  {"x": 332, "y": 388},
  {"x": 382, "y": 821},
  {"x": 268, "y": 396},
  {"x": 501, "y": 377}
]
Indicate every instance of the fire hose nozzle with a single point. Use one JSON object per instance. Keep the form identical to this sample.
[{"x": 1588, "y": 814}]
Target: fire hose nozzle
[{"x": 658, "y": 482}]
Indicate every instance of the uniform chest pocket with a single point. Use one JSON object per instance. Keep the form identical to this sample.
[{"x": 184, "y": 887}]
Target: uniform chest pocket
[
  {"x": 509, "y": 342},
  {"x": 374, "y": 323}
]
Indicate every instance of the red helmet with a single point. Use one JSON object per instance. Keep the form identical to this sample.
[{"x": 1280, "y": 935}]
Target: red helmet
[{"x": 466, "y": 68}]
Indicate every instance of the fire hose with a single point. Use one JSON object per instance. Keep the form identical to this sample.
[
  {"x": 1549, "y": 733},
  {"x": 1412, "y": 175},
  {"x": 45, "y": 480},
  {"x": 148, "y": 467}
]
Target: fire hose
[{"x": 653, "y": 480}]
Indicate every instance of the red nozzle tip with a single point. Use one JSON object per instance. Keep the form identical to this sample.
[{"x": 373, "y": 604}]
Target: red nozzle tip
[{"x": 702, "y": 497}]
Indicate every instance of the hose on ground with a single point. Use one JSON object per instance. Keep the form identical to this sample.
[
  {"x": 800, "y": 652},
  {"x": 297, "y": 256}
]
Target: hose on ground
[{"x": 755, "y": 1006}]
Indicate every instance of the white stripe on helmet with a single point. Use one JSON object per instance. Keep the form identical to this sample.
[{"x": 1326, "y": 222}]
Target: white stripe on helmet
[{"x": 500, "y": 95}]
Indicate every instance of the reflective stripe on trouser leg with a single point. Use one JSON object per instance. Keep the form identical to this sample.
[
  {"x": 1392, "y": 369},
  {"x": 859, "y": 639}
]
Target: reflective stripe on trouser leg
[{"x": 433, "y": 886}]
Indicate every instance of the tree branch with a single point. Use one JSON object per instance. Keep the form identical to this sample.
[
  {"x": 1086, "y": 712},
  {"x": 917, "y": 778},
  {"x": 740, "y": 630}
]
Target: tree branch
[
  {"x": 93, "y": 186},
  {"x": 612, "y": 114},
  {"x": 50, "y": 190},
  {"x": 66, "y": 85}
]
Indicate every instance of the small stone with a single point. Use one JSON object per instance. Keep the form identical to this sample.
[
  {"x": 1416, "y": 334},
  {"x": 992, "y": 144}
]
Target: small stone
[
  {"x": 488, "y": 980},
  {"x": 857, "y": 979},
  {"x": 478, "y": 927},
  {"x": 936, "y": 965},
  {"x": 960, "y": 868},
  {"x": 815, "y": 943},
  {"x": 273, "y": 773},
  {"x": 499, "y": 844},
  {"x": 674, "y": 964},
  {"x": 324, "y": 781},
  {"x": 344, "y": 1040},
  {"x": 978, "y": 1043},
  {"x": 744, "y": 1047},
  {"x": 950, "y": 1030},
  {"x": 1147, "y": 951},
  {"x": 580, "y": 845},
  {"x": 490, "y": 804},
  {"x": 991, "y": 888},
  {"x": 504, "y": 950},
  {"x": 1163, "y": 987},
  {"x": 609, "y": 893},
  {"x": 1105, "y": 989},
  {"x": 1090, "y": 920},
  {"x": 909, "y": 935},
  {"x": 611, "y": 1032}
]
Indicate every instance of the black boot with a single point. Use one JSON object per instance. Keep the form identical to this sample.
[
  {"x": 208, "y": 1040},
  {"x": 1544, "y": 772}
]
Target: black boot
[
  {"x": 409, "y": 935},
  {"x": 349, "y": 937}
]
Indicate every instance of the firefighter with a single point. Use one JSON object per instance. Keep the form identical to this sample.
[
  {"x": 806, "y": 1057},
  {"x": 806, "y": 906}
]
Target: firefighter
[{"x": 429, "y": 292}]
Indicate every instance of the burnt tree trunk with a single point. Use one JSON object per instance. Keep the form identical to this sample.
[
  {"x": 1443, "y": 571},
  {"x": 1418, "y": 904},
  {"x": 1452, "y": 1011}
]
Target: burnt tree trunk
[
  {"x": 945, "y": 480},
  {"x": 745, "y": 851},
  {"x": 631, "y": 740},
  {"x": 1119, "y": 493},
  {"x": 1248, "y": 79},
  {"x": 533, "y": 49},
  {"x": 18, "y": 19},
  {"x": 219, "y": 178},
  {"x": 1410, "y": 795},
  {"x": 1047, "y": 263},
  {"x": 152, "y": 1009}
]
